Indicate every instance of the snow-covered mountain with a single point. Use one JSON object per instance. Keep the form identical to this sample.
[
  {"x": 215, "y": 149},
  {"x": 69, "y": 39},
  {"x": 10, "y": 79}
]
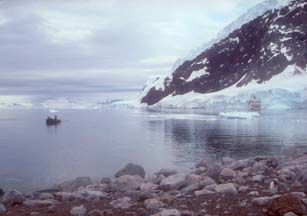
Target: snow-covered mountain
[{"x": 264, "y": 52}]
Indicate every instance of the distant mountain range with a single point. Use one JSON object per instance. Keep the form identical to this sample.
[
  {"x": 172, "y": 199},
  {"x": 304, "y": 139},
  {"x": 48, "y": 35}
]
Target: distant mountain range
[{"x": 264, "y": 50}]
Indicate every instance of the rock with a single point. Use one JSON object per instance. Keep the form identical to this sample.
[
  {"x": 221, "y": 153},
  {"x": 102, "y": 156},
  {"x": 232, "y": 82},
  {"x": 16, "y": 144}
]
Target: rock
[
  {"x": 34, "y": 214},
  {"x": 300, "y": 195},
  {"x": 253, "y": 193},
  {"x": 226, "y": 188},
  {"x": 78, "y": 211},
  {"x": 127, "y": 182},
  {"x": 51, "y": 209},
  {"x": 2, "y": 209},
  {"x": 70, "y": 197},
  {"x": 95, "y": 212},
  {"x": 45, "y": 196},
  {"x": 258, "y": 178},
  {"x": 38, "y": 203},
  {"x": 1, "y": 192},
  {"x": 228, "y": 173},
  {"x": 207, "y": 181},
  {"x": 227, "y": 160},
  {"x": 213, "y": 170},
  {"x": 199, "y": 170},
  {"x": 289, "y": 151},
  {"x": 91, "y": 194},
  {"x": 262, "y": 201},
  {"x": 131, "y": 169},
  {"x": 192, "y": 187},
  {"x": 106, "y": 181},
  {"x": 122, "y": 203},
  {"x": 290, "y": 214},
  {"x": 153, "y": 178},
  {"x": 203, "y": 192},
  {"x": 12, "y": 197},
  {"x": 243, "y": 189},
  {"x": 153, "y": 204},
  {"x": 174, "y": 182},
  {"x": 192, "y": 179},
  {"x": 242, "y": 174},
  {"x": 187, "y": 213},
  {"x": 167, "y": 172},
  {"x": 239, "y": 164},
  {"x": 148, "y": 187},
  {"x": 71, "y": 186},
  {"x": 210, "y": 187},
  {"x": 287, "y": 203},
  {"x": 168, "y": 212}
]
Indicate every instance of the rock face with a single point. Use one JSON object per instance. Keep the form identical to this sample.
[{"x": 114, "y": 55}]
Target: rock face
[
  {"x": 257, "y": 51},
  {"x": 285, "y": 204},
  {"x": 131, "y": 169}
]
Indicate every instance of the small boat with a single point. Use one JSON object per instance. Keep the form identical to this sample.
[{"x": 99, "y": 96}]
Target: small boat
[
  {"x": 52, "y": 121},
  {"x": 254, "y": 104}
]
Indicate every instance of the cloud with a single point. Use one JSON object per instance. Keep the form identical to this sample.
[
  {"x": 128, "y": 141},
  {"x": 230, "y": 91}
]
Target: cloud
[{"x": 78, "y": 45}]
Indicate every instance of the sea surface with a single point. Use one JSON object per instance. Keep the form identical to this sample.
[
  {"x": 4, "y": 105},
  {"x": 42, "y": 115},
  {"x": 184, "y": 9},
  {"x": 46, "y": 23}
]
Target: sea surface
[{"x": 97, "y": 143}]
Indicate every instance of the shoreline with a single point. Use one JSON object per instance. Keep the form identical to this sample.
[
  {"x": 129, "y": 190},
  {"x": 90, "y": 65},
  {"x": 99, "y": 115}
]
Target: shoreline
[{"x": 260, "y": 185}]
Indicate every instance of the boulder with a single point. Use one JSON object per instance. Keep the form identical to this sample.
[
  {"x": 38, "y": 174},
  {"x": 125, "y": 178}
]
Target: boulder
[
  {"x": 153, "y": 204},
  {"x": 131, "y": 169},
  {"x": 213, "y": 170},
  {"x": 192, "y": 179},
  {"x": 228, "y": 173},
  {"x": 239, "y": 164},
  {"x": 228, "y": 188},
  {"x": 207, "y": 181},
  {"x": 174, "y": 182},
  {"x": 78, "y": 211},
  {"x": 148, "y": 187},
  {"x": 167, "y": 172},
  {"x": 203, "y": 192},
  {"x": 168, "y": 212},
  {"x": 127, "y": 182},
  {"x": 70, "y": 197},
  {"x": 263, "y": 201},
  {"x": 95, "y": 212},
  {"x": 45, "y": 196},
  {"x": 258, "y": 178},
  {"x": 285, "y": 204},
  {"x": 122, "y": 203},
  {"x": 38, "y": 203},
  {"x": 71, "y": 186},
  {"x": 12, "y": 197}
]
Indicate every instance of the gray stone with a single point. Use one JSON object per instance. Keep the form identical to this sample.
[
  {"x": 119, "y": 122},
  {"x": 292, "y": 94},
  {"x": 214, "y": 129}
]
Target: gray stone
[
  {"x": 167, "y": 172},
  {"x": 122, "y": 203},
  {"x": 228, "y": 188},
  {"x": 290, "y": 214},
  {"x": 12, "y": 197},
  {"x": 45, "y": 196},
  {"x": 228, "y": 173},
  {"x": 207, "y": 181},
  {"x": 78, "y": 211},
  {"x": 148, "y": 187},
  {"x": 240, "y": 164},
  {"x": 153, "y": 204},
  {"x": 95, "y": 212},
  {"x": 192, "y": 179},
  {"x": 106, "y": 181},
  {"x": 243, "y": 189},
  {"x": 131, "y": 169},
  {"x": 38, "y": 203},
  {"x": 71, "y": 186},
  {"x": 168, "y": 212},
  {"x": 174, "y": 182},
  {"x": 127, "y": 182},
  {"x": 203, "y": 192},
  {"x": 263, "y": 201},
  {"x": 253, "y": 193},
  {"x": 258, "y": 178}
]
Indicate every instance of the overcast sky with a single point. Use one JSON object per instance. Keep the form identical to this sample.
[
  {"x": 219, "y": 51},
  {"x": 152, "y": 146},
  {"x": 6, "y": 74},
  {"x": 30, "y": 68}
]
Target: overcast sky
[{"x": 56, "y": 46}]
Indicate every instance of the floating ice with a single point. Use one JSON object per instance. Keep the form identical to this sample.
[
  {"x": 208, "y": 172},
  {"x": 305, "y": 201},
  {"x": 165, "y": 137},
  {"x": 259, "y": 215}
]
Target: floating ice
[{"x": 239, "y": 115}]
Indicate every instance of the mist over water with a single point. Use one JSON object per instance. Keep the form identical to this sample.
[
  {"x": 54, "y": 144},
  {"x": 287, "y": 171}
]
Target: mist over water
[{"x": 97, "y": 143}]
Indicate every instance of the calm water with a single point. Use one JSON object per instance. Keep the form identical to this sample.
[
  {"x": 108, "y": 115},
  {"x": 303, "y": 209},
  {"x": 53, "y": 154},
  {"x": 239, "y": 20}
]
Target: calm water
[{"x": 93, "y": 143}]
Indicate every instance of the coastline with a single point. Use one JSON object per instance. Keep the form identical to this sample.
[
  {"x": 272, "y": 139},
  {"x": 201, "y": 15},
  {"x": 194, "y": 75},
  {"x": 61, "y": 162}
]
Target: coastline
[{"x": 261, "y": 185}]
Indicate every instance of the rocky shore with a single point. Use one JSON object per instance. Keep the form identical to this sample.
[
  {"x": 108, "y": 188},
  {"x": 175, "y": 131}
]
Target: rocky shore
[{"x": 261, "y": 185}]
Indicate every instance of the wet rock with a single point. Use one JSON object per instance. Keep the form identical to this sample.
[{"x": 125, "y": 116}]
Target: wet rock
[
  {"x": 71, "y": 186},
  {"x": 228, "y": 173},
  {"x": 38, "y": 203},
  {"x": 12, "y": 197},
  {"x": 95, "y": 212},
  {"x": 131, "y": 169},
  {"x": 168, "y": 212},
  {"x": 239, "y": 164},
  {"x": 262, "y": 201},
  {"x": 45, "y": 196},
  {"x": 78, "y": 211},
  {"x": 167, "y": 172},
  {"x": 127, "y": 182},
  {"x": 2, "y": 209},
  {"x": 210, "y": 187},
  {"x": 258, "y": 178},
  {"x": 174, "y": 182},
  {"x": 122, "y": 203},
  {"x": 203, "y": 192},
  {"x": 153, "y": 204},
  {"x": 91, "y": 194},
  {"x": 285, "y": 204},
  {"x": 226, "y": 188}
]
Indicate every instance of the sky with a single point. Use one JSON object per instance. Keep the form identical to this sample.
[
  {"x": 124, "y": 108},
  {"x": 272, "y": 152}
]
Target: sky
[{"x": 54, "y": 47}]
